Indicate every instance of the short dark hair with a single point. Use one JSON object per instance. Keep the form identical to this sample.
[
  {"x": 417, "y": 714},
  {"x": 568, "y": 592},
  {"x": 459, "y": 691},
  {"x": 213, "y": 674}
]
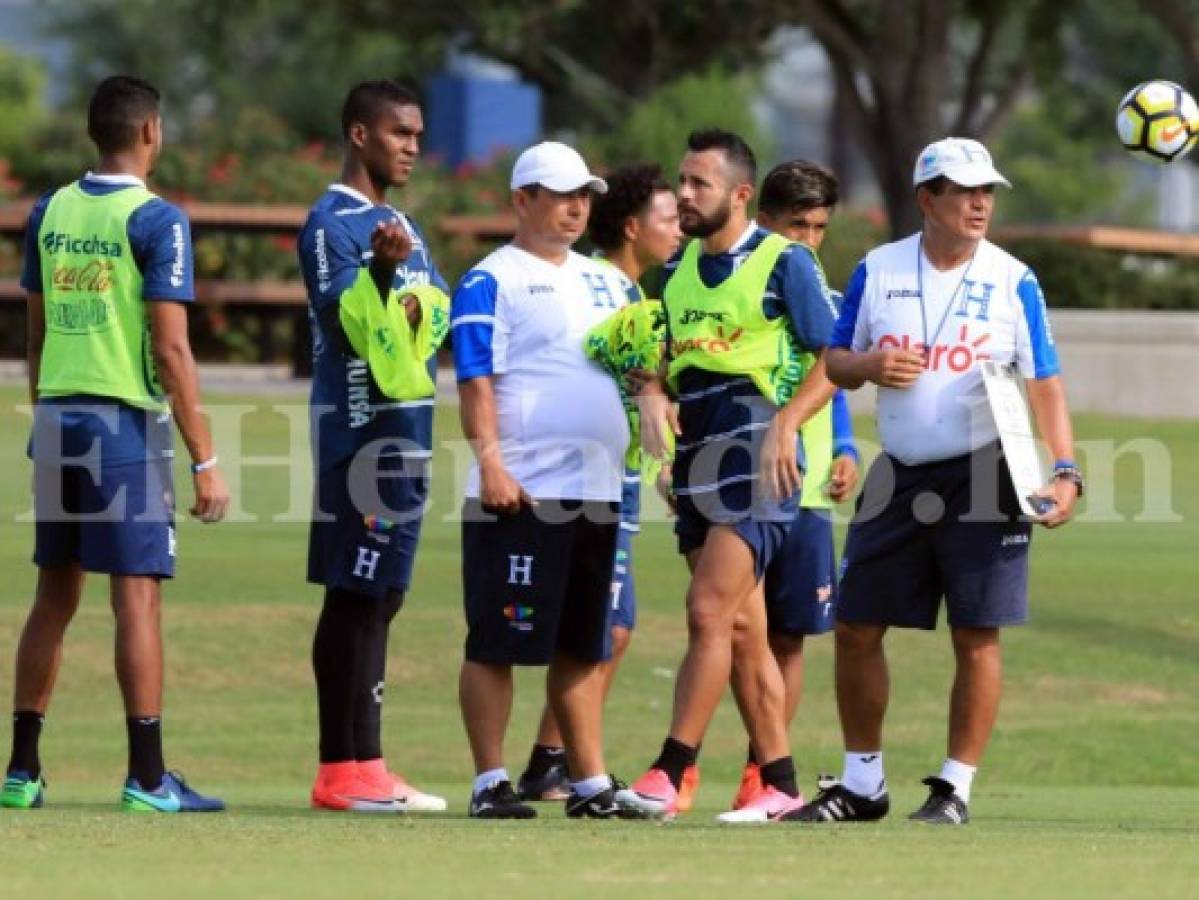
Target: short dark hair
[
  {"x": 119, "y": 107},
  {"x": 798, "y": 186},
  {"x": 365, "y": 101},
  {"x": 737, "y": 153},
  {"x": 630, "y": 189},
  {"x": 935, "y": 186}
]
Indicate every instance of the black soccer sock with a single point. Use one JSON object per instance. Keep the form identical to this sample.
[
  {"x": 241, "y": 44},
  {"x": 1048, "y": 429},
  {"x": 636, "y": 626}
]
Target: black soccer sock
[
  {"x": 750, "y": 758},
  {"x": 674, "y": 760},
  {"x": 544, "y": 758},
  {"x": 337, "y": 649},
  {"x": 26, "y": 731},
  {"x": 780, "y": 774},
  {"x": 145, "y": 750},
  {"x": 372, "y": 675}
]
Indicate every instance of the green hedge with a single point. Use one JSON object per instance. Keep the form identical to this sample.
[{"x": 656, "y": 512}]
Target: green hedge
[{"x": 1076, "y": 277}]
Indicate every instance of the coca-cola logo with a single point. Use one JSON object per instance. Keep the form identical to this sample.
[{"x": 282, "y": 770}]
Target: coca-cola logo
[
  {"x": 956, "y": 358},
  {"x": 94, "y": 277}
]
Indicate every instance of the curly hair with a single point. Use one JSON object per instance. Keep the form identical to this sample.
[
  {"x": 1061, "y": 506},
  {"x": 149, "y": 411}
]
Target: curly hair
[{"x": 630, "y": 189}]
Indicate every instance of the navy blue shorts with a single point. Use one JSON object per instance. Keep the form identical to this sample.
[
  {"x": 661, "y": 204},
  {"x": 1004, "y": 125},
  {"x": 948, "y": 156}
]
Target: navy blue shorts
[
  {"x": 801, "y": 581},
  {"x": 949, "y": 529},
  {"x": 367, "y": 524},
  {"x": 538, "y": 583},
  {"x": 765, "y": 539},
  {"x": 624, "y": 592},
  {"x": 121, "y": 524}
]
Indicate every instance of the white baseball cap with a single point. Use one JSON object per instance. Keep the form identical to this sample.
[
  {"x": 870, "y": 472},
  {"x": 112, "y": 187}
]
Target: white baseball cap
[
  {"x": 961, "y": 160},
  {"x": 556, "y": 166}
]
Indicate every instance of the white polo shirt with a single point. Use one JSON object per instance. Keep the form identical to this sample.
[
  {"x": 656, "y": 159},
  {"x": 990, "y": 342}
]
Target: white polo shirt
[
  {"x": 521, "y": 319},
  {"x": 990, "y": 308}
]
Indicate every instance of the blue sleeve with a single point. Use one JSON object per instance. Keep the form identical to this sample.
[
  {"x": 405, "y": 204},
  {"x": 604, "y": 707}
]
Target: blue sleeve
[
  {"x": 842, "y": 427},
  {"x": 1044, "y": 351},
  {"x": 329, "y": 260},
  {"x": 160, "y": 236},
  {"x": 31, "y": 270},
  {"x": 847, "y": 321},
  {"x": 805, "y": 297},
  {"x": 472, "y": 323}
]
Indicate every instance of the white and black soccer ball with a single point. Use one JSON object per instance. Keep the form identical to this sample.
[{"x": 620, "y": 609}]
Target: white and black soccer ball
[{"x": 1158, "y": 121}]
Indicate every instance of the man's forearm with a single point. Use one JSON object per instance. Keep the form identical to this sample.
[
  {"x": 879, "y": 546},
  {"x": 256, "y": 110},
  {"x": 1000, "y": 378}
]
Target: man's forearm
[
  {"x": 814, "y": 394},
  {"x": 1047, "y": 397},
  {"x": 847, "y": 369},
  {"x": 35, "y": 318},
  {"x": 479, "y": 421},
  {"x": 177, "y": 370}
]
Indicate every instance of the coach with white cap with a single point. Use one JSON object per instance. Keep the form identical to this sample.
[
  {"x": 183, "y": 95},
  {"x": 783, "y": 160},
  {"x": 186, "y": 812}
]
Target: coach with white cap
[
  {"x": 549, "y": 435},
  {"x": 939, "y": 517}
]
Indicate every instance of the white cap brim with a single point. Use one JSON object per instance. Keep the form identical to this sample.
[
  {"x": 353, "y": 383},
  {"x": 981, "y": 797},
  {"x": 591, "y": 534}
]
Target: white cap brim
[
  {"x": 565, "y": 184},
  {"x": 974, "y": 175}
]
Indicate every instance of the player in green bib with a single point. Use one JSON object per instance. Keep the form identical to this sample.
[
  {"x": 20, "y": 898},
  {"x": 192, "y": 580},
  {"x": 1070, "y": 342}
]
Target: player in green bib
[
  {"x": 747, "y": 313},
  {"x": 796, "y": 200},
  {"x": 108, "y": 272}
]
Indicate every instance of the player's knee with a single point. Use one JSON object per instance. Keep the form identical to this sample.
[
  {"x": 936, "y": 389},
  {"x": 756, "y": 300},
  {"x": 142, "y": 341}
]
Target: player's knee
[
  {"x": 785, "y": 646},
  {"x": 975, "y": 644},
  {"x": 708, "y": 618},
  {"x": 853, "y": 638}
]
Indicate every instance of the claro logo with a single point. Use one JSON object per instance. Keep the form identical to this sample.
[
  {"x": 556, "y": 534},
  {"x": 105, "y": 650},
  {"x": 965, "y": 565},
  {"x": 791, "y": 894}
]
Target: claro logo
[
  {"x": 721, "y": 342},
  {"x": 956, "y": 358}
]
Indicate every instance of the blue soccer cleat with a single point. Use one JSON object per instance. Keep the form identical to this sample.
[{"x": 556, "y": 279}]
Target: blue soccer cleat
[{"x": 173, "y": 795}]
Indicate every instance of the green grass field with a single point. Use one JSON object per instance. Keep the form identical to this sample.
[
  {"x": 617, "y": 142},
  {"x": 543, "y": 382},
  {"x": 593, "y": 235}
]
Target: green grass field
[{"x": 1090, "y": 788}]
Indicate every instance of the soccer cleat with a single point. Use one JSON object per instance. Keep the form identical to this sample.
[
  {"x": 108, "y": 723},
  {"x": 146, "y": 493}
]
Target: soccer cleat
[
  {"x": 655, "y": 787},
  {"x": 687, "y": 788},
  {"x": 553, "y": 784},
  {"x": 22, "y": 792},
  {"x": 600, "y": 805},
  {"x": 499, "y": 802},
  {"x": 750, "y": 787},
  {"x": 768, "y": 805},
  {"x": 836, "y": 803},
  {"x": 339, "y": 787},
  {"x": 172, "y": 796},
  {"x": 376, "y": 774},
  {"x": 635, "y": 804},
  {"x": 943, "y": 806}
]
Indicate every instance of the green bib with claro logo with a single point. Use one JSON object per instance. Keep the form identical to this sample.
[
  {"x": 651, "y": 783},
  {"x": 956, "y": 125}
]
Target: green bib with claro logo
[
  {"x": 97, "y": 328},
  {"x": 818, "y": 455},
  {"x": 723, "y": 329}
]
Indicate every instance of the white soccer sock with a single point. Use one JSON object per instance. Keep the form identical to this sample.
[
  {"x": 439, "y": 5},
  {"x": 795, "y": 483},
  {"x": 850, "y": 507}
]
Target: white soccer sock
[
  {"x": 490, "y": 778},
  {"x": 863, "y": 773},
  {"x": 589, "y": 787},
  {"x": 960, "y": 775}
]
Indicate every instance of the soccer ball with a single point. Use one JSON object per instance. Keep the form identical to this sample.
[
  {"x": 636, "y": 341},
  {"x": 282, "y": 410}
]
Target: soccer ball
[{"x": 1158, "y": 121}]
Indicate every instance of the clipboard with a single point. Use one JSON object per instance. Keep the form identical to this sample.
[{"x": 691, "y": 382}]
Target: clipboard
[{"x": 1010, "y": 413}]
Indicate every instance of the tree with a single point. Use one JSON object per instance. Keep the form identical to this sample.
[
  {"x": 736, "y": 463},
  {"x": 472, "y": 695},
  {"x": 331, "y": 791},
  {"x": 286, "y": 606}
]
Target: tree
[{"x": 911, "y": 72}]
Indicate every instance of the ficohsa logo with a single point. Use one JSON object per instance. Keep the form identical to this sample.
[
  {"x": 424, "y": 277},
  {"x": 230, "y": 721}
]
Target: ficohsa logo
[{"x": 54, "y": 242}]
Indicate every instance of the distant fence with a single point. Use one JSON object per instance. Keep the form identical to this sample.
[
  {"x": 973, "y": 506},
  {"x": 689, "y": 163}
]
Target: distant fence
[
  {"x": 1107, "y": 372},
  {"x": 270, "y": 300}
]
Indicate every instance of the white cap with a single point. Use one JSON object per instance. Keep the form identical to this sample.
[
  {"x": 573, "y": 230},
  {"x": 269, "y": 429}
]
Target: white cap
[
  {"x": 961, "y": 160},
  {"x": 557, "y": 167}
]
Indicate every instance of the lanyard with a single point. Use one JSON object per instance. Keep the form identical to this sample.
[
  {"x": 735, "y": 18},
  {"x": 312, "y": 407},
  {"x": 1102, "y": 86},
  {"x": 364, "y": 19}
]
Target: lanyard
[{"x": 928, "y": 346}]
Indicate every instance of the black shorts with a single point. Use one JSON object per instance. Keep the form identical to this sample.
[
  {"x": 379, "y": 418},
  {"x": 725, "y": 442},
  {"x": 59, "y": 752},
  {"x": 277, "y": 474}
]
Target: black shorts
[
  {"x": 901, "y": 557},
  {"x": 539, "y": 582},
  {"x": 367, "y": 524}
]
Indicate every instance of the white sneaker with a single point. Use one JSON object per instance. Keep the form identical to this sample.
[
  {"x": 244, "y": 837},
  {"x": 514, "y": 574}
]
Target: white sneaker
[{"x": 769, "y": 804}]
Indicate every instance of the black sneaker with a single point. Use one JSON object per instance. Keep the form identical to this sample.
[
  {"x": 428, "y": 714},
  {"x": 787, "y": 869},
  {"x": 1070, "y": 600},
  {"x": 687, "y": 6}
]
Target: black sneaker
[
  {"x": 837, "y": 803},
  {"x": 499, "y": 802},
  {"x": 553, "y": 784},
  {"x": 943, "y": 806},
  {"x": 617, "y": 801}
]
